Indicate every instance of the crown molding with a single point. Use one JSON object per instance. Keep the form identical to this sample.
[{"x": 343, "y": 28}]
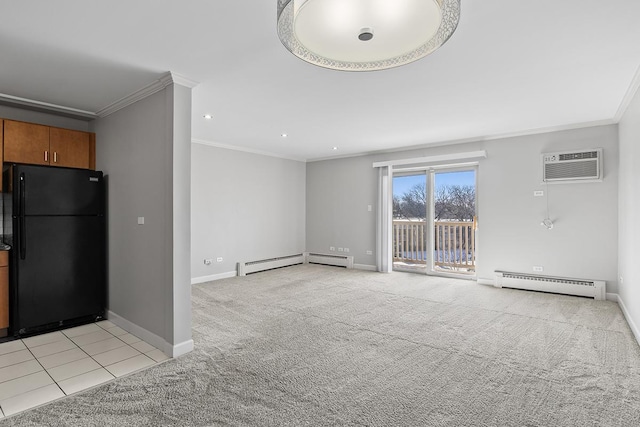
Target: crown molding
[
  {"x": 150, "y": 89},
  {"x": 527, "y": 132},
  {"x": 16, "y": 101},
  {"x": 167, "y": 79},
  {"x": 628, "y": 97},
  {"x": 244, "y": 149},
  {"x": 181, "y": 80}
]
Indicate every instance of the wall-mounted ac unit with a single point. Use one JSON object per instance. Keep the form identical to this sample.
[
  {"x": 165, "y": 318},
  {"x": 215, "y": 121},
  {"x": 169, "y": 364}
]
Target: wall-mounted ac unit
[{"x": 572, "y": 166}]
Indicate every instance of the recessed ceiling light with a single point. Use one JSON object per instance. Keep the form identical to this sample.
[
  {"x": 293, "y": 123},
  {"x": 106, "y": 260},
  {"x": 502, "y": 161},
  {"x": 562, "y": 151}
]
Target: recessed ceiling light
[
  {"x": 284, "y": 135},
  {"x": 208, "y": 116},
  {"x": 334, "y": 148}
]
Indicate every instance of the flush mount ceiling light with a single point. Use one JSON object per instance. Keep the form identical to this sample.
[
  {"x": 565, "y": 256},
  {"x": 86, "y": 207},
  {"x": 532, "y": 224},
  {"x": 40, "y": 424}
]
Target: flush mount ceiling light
[{"x": 365, "y": 35}]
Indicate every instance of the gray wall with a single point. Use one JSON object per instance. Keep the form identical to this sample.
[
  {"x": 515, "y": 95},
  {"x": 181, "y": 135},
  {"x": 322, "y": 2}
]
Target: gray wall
[
  {"x": 180, "y": 210},
  {"x": 583, "y": 242},
  {"x": 629, "y": 194},
  {"x": 13, "y": 113},
  {"x": 244, "y": 207},
  {"x": 338, "y": 195},
  {"x": 146, "y": 169}
]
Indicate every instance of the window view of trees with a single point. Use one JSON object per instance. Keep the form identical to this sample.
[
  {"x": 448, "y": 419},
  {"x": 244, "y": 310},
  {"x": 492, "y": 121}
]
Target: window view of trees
[{"x": 452, "y": 202}]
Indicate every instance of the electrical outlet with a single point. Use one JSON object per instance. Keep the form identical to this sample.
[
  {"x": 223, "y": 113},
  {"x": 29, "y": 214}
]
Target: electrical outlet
[
  {"x": 368, "y": 208},
  {"x": 332, "y": 248},
  {"x": 207, "y": 261},
  {"x": 538, "y": 193},
  {"x": 219, "y": 259},
  {"x": 340, "y": 249},
  {"x": 140, "y": 220},
  {"x": 538, "y": 268},
  {"x": 346, "y": 250},
  {"x": 369, "y": 252}
]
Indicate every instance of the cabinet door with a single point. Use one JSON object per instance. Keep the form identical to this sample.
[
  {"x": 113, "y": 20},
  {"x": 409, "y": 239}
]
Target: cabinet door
[
  {"x": 70, "y": 148},
  {"x": 26, "y": 143}
]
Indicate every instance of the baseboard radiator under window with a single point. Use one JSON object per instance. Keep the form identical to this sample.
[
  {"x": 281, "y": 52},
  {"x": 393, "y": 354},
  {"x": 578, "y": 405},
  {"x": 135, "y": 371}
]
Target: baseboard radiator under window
[
  {"x": 326, "y": 259},
  {"x": 245, "y": 268},
  {"x": 559, "y": 285}
]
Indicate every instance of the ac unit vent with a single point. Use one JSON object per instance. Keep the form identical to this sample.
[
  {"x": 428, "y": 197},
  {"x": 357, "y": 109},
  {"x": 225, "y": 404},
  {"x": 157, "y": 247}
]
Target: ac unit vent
[
  {"x": 578, "y": 156},
  {"x": 572, "y": 166}
]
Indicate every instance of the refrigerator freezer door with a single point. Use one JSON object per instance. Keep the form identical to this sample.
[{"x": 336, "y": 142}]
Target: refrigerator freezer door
[
  {"x": 57, "y": 191},
  {"x": 62, "y": 276}
]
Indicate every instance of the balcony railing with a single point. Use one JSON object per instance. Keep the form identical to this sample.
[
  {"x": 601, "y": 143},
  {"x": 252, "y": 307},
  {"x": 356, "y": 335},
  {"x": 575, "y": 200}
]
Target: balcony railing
[{"x": 455, "y": 244}]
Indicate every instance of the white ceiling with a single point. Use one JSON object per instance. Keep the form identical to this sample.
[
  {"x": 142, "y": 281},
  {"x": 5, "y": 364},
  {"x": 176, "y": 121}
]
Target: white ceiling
[{"x": 513, "y": 66}]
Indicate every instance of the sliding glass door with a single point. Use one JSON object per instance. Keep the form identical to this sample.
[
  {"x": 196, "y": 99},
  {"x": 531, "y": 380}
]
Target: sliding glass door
[
  {"x": 434, "y": 221},
  {"x": 454, "y": 221},
  {"x": 410, "y": 237}
]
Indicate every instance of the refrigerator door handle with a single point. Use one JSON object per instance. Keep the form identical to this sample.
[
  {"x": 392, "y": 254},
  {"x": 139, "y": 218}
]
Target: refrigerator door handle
[{"x": 23, "y": 228}]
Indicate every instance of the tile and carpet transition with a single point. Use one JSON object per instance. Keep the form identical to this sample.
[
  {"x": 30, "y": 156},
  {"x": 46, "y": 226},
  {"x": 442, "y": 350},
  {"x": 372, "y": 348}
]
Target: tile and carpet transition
[{"x": 315, "y": 345}]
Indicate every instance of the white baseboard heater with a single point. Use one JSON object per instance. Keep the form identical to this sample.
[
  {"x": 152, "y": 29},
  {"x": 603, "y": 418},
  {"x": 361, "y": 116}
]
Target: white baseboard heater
[
  {"x": 559, "y": 285},
  {"x": 245, "y": 268},
  {"x": 327, "y": 259}
]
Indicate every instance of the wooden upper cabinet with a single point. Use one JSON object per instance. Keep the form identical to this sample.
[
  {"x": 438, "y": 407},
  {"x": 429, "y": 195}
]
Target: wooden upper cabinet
[
  {"x": 43, "y": 145},
  {"x": 26, "y": 143},
  {"x": 70, "y": 148}
]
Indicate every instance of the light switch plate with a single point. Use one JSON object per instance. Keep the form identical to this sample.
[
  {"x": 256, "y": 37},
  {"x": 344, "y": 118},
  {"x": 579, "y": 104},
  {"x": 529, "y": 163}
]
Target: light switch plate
[{"x": 140, "y": 220}]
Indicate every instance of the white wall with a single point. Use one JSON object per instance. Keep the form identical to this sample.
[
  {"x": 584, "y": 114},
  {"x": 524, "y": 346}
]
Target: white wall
[
  {"x": 629, "y": 214},
  {"x": 144, "y": 151},
  {"x": 582, "y": 244},
  {"x": 244, "y": 207}
]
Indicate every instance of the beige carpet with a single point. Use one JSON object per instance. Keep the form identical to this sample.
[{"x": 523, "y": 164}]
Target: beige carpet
[{"x": 313, "y": 345}]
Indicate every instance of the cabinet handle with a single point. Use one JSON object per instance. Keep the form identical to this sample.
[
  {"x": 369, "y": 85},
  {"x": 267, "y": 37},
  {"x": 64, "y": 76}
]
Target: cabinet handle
[
  {"x": 55, "y": 157},
  {"x": 46, "y": 156}
]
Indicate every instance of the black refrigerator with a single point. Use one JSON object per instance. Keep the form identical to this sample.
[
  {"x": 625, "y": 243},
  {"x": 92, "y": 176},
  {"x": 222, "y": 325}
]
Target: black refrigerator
[{"x": 55, "y": 223}]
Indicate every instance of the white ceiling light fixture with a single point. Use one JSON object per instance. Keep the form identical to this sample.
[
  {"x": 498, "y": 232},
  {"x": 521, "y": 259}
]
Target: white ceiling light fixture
[{"x": 365, "y": 35}]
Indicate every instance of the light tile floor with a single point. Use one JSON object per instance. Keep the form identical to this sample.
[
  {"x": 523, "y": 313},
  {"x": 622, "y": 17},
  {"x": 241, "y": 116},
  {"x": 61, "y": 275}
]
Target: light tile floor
[{"x": 39, "y": 369}]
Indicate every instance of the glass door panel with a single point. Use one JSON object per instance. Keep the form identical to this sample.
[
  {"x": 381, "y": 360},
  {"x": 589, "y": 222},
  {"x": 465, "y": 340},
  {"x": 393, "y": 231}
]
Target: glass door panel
[
  {"x": 454, "y": 222},
  {"x": 410, "y": 230}
]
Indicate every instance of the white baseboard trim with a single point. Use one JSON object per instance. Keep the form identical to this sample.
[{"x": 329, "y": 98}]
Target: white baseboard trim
[
  {"x": 203, "y": 279},
  {"x": 151, "y": 338},
  {"x": 179, "y": 349},
  {"x": 139, "y": 331},
  {"x": 488, "y": 282},
  {"x": 627, "y": 316},
  {"x": 612, "y": 297},
  {"x": 365, "y": 267}
]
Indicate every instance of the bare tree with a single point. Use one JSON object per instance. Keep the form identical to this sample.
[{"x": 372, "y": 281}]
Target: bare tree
[{"x": 455, "y": 202}]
